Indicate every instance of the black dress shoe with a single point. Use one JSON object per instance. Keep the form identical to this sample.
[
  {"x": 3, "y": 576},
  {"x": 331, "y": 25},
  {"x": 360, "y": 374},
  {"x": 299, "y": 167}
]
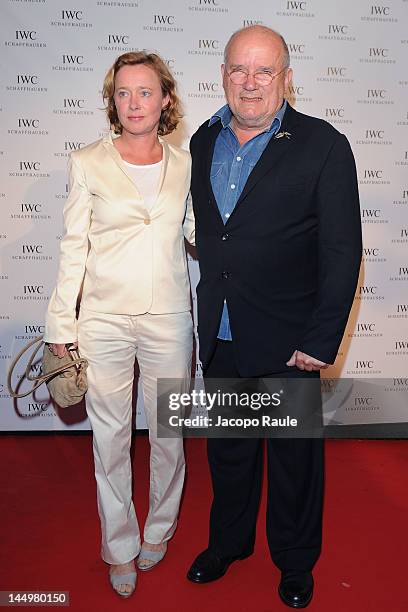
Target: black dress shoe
[
  {"x": 210, "y": 565},
  {"x": 296, "y": 589}
]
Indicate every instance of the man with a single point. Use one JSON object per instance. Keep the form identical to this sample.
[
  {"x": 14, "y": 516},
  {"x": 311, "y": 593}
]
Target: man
[{"x": 278, "y": 236}]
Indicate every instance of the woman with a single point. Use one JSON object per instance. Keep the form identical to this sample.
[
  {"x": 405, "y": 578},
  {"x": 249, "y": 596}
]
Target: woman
[{"x": 125, "y": 221}]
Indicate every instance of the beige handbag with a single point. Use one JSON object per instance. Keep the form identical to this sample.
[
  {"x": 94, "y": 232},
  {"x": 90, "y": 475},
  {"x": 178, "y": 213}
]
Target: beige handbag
[{"x": 65, "y": 377}]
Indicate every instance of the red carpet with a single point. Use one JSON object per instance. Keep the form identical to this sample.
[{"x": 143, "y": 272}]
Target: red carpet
[{"x": 50, "y": 532}]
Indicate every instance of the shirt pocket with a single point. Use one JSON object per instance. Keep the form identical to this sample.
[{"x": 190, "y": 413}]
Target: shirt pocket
[{"x": 216, "y": 169}]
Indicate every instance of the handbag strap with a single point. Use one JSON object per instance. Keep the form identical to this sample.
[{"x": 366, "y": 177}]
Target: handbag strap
[{"x": 41, "y": 378}]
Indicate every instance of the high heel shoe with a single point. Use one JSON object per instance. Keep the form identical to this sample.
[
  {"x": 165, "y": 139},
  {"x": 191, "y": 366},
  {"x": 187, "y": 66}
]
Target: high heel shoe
[
  {"x": 117, "y": 579},
  {"x": 152, "y": 557}
]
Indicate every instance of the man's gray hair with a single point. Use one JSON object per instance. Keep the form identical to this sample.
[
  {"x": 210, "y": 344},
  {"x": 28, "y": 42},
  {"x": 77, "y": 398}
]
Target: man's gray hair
[{"x": 265, "y": 30}]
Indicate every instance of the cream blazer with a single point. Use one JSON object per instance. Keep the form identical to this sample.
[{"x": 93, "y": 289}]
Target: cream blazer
[{"x": 129, "y": 260}]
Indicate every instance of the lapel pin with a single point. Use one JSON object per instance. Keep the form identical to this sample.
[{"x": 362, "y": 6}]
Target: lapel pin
[{"x": 283, "y": 135}]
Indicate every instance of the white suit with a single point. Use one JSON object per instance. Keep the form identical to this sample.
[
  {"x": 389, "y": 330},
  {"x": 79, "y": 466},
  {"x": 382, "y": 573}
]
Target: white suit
[{"x": 131, "y": 265}]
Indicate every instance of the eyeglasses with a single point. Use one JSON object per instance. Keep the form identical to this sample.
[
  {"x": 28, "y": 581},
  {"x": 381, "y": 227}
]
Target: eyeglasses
[{"x": 261, "y": 77}]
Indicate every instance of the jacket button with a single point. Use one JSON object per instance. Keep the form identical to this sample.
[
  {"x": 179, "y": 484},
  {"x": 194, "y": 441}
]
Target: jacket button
[
  {"x": 225, "y": 275},
  {"x": 225, "y": 237},
  {"x": 146, "y": 221}
]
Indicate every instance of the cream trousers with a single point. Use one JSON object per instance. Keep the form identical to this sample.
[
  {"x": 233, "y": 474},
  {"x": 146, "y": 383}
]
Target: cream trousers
[{"x": 162, "y": 345}]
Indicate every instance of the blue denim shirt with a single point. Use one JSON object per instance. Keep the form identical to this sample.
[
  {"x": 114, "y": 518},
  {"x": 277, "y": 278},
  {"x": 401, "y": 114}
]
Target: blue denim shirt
[{"x": 231, "y": 166}]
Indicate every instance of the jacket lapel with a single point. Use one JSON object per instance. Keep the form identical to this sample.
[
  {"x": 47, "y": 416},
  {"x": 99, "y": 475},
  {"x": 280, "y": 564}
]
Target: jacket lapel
[
  {"x": 214, "y": 130},
  {"x": 165, "y": 174},
  {"x": 114, "y": 154},
  {"x": 165, "y": 163},
  {"x": 274, "y": 151}
]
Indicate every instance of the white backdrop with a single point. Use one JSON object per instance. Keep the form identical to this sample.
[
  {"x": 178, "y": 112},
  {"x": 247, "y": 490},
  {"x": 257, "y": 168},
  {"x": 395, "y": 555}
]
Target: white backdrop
[{"x": 349, "y": 62}]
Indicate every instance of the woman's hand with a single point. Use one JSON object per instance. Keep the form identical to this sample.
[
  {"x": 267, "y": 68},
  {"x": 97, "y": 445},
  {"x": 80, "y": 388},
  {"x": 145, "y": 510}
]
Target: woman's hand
[{"x": 59, "y": 350}]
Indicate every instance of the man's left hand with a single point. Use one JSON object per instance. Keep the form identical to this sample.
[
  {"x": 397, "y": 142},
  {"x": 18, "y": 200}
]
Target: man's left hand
[{"x": 306, "y": 362}]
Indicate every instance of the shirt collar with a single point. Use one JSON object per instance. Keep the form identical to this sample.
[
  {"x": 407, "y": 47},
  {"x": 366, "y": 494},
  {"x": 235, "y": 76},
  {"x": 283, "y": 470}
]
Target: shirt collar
[{"x": 224, "y": 115}]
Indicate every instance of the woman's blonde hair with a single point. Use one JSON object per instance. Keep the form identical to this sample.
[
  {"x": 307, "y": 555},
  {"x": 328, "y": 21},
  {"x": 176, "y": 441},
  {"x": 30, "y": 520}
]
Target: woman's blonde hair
[{"x": 170, "y": 115}]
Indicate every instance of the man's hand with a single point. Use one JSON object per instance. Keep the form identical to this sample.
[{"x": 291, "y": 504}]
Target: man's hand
[
  {"x": 59, "y": 350},
  {"x": 306, "y": 362}
]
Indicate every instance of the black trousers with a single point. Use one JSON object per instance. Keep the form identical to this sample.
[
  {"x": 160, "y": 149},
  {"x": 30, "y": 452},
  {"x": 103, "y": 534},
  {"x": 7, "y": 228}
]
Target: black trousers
[{"x": 295, "y": 488}]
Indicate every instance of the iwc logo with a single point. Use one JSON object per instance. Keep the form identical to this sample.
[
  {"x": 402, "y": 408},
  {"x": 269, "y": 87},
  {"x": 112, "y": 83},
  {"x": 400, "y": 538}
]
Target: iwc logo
[
  {"x": 71, "y": 18},
  {"x": 71, "y": 62},
  {"x": 25, "y": 38},
  {"x": 295, "y": 8},
  {"x": 208, "y": 6}
]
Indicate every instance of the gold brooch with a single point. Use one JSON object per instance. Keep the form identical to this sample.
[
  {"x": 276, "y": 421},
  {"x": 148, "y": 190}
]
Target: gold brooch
[{"x": 283, "y": 134}]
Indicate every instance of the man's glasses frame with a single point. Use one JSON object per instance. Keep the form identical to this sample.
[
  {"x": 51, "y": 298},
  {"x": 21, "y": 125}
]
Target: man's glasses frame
[{"x": 238, "y": 76}]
